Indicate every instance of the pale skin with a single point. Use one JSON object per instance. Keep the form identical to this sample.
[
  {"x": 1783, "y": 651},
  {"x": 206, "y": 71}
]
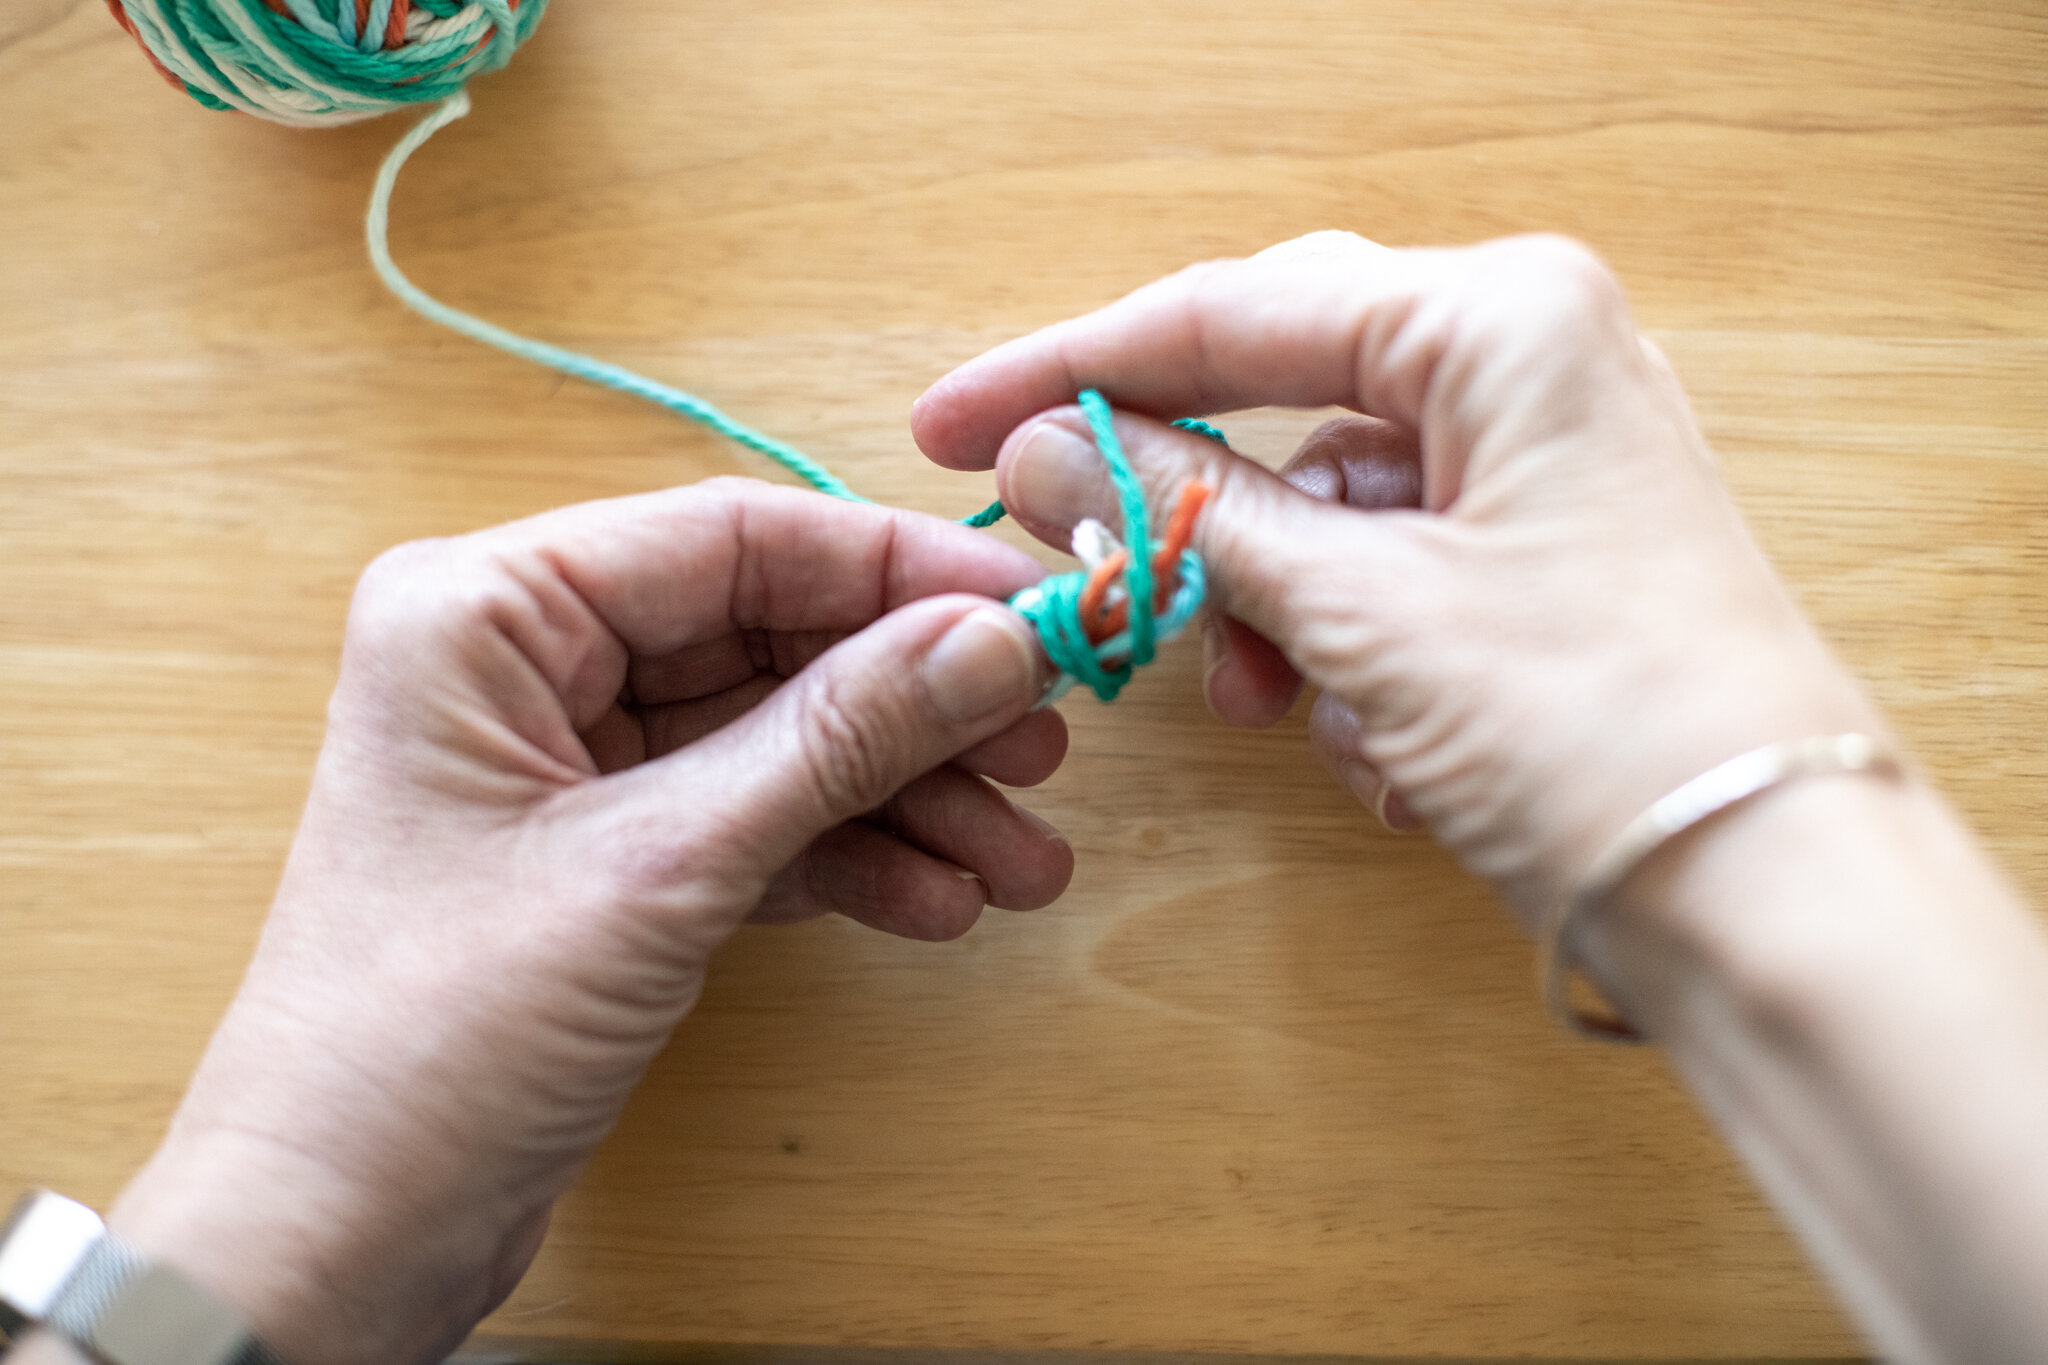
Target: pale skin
[
  {"x": 1530, "y": 609},
  {"x": 508, "y": 880}
]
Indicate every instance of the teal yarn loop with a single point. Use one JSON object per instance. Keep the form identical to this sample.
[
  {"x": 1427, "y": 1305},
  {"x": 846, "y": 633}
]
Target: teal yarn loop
[
  {"x": 1053, "y": 606},
  {"x": 1201, "y": 428},
  {"x": 320, "y": 62}
]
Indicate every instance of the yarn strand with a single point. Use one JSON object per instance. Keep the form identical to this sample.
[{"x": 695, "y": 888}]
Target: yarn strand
[
  {"x": 1152, "y": 608},
  {"x": 572, "y": 363},
  {"x": 321, "y": 62}
]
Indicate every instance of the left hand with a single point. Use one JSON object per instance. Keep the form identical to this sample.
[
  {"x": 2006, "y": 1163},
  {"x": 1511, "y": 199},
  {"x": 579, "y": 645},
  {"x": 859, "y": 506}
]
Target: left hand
[{"x": 565, "y": 760}]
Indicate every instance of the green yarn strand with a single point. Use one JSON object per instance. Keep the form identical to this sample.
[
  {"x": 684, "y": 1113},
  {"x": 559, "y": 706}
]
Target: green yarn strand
[
  {"x": 1137, "y": 531},
  {"x": 572, "y": 363},
  {"x": 1053, "y": 606},
  {"x": 987, "y": 516},
  {"x": 313, "y": 62}
]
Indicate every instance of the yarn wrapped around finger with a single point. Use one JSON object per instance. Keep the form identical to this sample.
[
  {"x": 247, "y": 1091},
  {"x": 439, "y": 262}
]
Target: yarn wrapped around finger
[{"x": 319, "y": 62}]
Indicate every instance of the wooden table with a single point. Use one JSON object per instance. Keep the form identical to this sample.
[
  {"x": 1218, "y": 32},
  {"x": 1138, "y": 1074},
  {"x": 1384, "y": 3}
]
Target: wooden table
[{"x": 1266, "y": 1080}]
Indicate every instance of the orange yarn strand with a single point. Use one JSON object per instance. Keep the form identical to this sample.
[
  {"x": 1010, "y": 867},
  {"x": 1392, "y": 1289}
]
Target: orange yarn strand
[{"x": 1101, "y": 621}]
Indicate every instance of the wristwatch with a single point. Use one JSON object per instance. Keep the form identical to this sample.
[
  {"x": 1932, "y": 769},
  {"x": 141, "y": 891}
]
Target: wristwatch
[{"x": 61, "y": 1269}]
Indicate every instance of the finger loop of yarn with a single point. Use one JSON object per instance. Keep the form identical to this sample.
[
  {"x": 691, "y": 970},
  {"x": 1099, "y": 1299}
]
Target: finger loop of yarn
[{"x": 1161, "y": 591}]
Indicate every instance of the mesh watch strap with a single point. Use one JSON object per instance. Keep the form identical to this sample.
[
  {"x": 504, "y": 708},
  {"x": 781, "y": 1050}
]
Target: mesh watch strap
[
  {"x": 122, "y": 1309},
  {"x": 93, "y": 1287}
]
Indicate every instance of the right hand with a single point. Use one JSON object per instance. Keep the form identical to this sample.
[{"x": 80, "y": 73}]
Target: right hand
[{"x": 1567, "y": 620}]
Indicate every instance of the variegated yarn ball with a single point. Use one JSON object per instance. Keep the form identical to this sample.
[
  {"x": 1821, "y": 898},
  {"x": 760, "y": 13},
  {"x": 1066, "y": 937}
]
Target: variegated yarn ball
[{"x": 318, "y": 62}]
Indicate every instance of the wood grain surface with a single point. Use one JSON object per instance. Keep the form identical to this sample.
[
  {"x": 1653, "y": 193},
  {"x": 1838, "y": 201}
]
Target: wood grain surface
[{"x": 1267, "y": 1081}]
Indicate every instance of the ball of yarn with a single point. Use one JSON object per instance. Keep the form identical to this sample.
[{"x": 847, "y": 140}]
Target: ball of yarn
[{"x": 316, "y": 62}]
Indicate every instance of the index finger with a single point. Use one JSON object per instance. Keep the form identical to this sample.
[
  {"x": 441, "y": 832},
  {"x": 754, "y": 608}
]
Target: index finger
[
  {"x": 1451, "y": 338},
  {"x": 1283, "y": 327}
]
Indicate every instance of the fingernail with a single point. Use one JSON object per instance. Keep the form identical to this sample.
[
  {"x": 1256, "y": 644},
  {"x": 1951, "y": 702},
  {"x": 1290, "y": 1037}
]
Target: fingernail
[
  {"x": 1038, "y": 823},
  {"x": 1213, "y": 657},
  {"x": 1379, "y": 808},
  {"x": 1056, "y": 476},
  {"x": 1393, "y": 812},
  {"x": 1362, "y": 782},
  {"x": 964, "y": 875},
  {"x": 1386, "y": 805},
  {"x": 984, "y": 663}
]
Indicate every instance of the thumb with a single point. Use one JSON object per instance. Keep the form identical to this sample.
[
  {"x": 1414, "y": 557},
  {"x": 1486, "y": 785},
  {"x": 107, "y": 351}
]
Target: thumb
[
  {"x": 1263, "y": 539},
  {"x": 852, "y": 728}
]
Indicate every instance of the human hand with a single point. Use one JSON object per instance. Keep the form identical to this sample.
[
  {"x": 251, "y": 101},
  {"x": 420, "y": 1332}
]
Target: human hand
[
  {"x": 565, "y": 760},
  {"x": 1534, "y": 609}
]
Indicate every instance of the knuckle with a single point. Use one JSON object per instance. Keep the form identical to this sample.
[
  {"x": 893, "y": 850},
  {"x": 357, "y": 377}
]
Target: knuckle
[
  {"x": 728, "y": 488},
  {"x": 675, "y": 880},
  {"x": 1537, "y": 307},
  {"x": 392, "y": 595},
  {"x": 843, "y": 758},
  {"x": 641, "y": 860},
  {"x": 1317, "y": 468},
  {"x": 1190, "y": 286},
  {"x": 648, "y": 859},
  {"x": 1559, "y": 253},
  {"x": 1245, "y": 488},
  {"x": 1199, "y": 271},
  {"x": 1324, "y": 244},
  {"x": 1372, "y": 614},
  {"x": 1562, "y": 281},
  {"x": 429, "y": 591},
  {"x": 387, "y": 574}
]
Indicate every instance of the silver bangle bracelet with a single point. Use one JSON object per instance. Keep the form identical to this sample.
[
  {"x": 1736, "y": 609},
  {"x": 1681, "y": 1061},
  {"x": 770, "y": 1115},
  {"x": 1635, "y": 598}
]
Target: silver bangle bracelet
[{"x": 1718, "y": 789}]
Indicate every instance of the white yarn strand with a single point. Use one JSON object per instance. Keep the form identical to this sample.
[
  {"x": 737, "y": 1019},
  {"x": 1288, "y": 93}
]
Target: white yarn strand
[
  {"x": 339, "y": 105},
  {"x": 176, "y": 57}
]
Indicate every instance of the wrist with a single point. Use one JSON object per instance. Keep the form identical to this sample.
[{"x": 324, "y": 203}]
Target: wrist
[
  {"x": 311, "y": 1261},
  {"x": 255, "y": 1226},
  {"x": 1757, "y": 687},
  {"x": 1775, "y": 907},
  {"x": 81, "y": 1289},
  {"x": 320, "y": 1184},
  {"x": 43, "y": 1347},
  {"x": 1853, "y": 993}
]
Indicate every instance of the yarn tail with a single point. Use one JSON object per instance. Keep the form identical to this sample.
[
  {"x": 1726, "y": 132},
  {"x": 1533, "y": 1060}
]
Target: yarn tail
[{"x": 573, "y": 363}]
